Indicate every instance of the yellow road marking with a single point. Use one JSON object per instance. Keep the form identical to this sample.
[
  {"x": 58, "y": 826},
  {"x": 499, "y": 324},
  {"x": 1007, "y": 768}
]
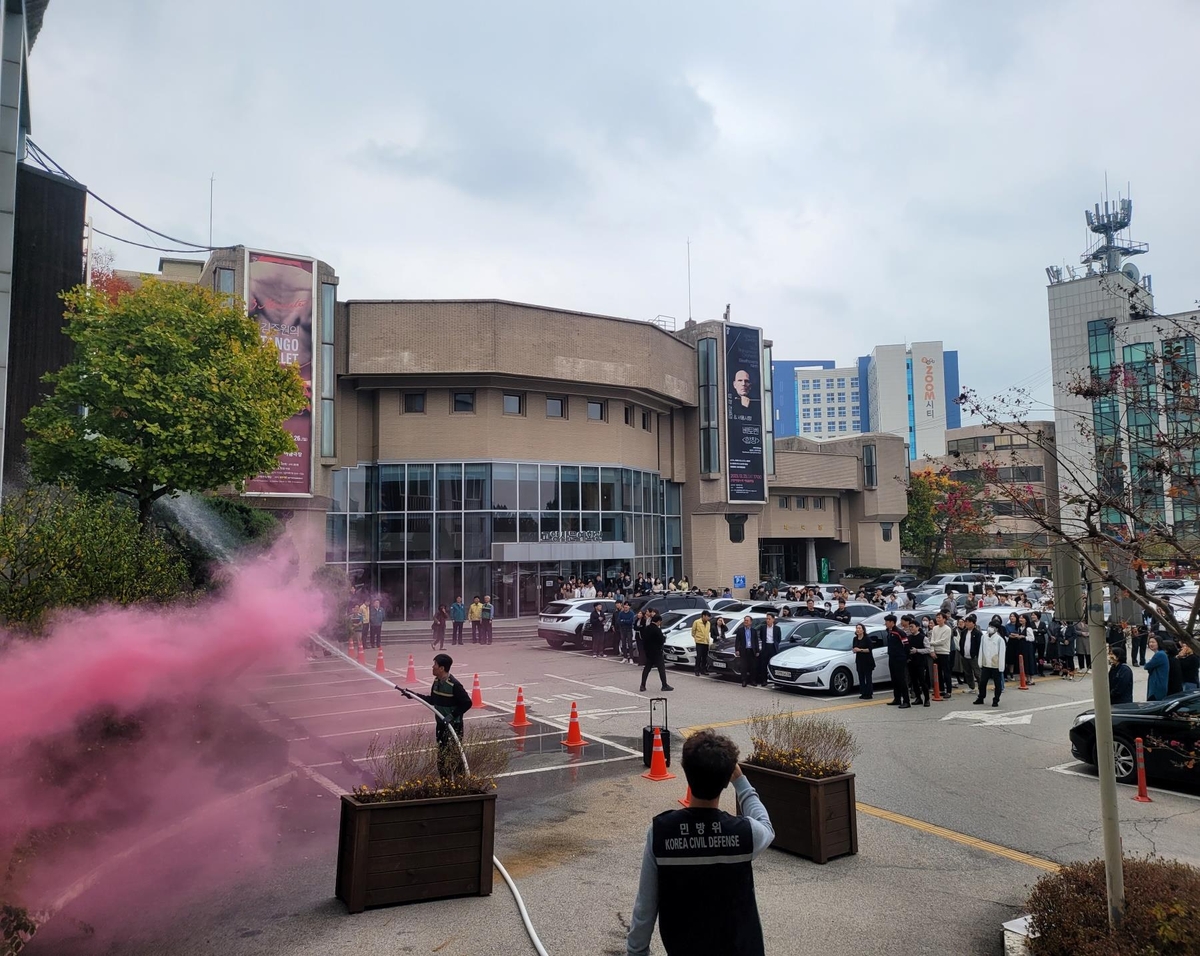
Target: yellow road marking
[
  {"x": 688, "y": 731},
  {"x": 955, "y": 837}
]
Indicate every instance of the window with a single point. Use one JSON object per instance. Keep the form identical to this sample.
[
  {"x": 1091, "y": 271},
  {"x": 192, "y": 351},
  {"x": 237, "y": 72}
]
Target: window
[
  {"x": 841, "y": 383},
  {"x": 804, "y": 399},
  {"x": 706, "y": 377},
  {"x": 556, "y": 407},
  {"x": 829, "y": 397},
  {"x": 806, "y": 414},
  {"x": 818, "y": 502},
  {"x": 801, "y": 502},
  {"x": 816, "y": 413},
  {"x": 841, "y": 396},
  {"x": 328, "y": 375},
  {"x": 854, "y": 409},
  {"x": 804, "y": 385},
  {"x": 886, "y": 528},
  {"x": 514, "y": 403},
  {"x": 628, "y": 414},
  {"x": 223, "y": 283},
  {"x": 829, "y": 383},
  {"x": 414, "y": 403},
  {"x": 595, "y": 411},
  {"x": 841, "y": 426},
  {"x": 816, "y": 426},
  {"x": 841, "y": 411},
  {"x": 462, "y": 402},
  {"x": 783, "y": 502},
  {"x": 645, "y": 421},
  {"x": 870, "y": 471},
  {"x": 807, "y": 428}
]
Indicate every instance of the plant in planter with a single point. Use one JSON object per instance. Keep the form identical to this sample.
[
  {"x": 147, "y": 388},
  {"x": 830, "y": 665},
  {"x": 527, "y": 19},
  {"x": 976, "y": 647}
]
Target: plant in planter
[
  {"x": 421, "y": 834},
  {"x": 800, "y": 767},
  {"x": 1068, "y": 910}
]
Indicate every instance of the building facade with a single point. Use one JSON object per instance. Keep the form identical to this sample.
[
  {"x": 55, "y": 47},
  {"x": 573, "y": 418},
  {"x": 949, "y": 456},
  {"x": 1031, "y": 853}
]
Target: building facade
[
  {"x": 463, "y": 447},
  {"x": 889, "y": 391},
  {"x": 1014, "y": 543}
]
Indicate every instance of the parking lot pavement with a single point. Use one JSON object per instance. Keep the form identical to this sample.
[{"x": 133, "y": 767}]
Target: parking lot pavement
[{"x": 960, "y": 815}]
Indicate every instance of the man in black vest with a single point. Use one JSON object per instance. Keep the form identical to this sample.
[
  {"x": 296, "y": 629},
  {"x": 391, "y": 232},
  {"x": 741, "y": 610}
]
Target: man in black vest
[
  {"x": 745, "y": 646},
  {"x": 768, "y": 646},
  {"x": 702, "y": 853}
]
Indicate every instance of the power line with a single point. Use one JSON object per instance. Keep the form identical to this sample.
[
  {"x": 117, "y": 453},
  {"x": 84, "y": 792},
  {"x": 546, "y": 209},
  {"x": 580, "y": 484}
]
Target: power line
[
  {"x": 43, "y": 157},
  {"x": 141, "y": 245}
]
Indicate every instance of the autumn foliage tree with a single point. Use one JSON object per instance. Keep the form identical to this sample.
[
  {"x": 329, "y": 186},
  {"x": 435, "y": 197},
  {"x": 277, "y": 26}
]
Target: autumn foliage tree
[
  {"x": 171, "y": 389},
  {"x": 946, "y": 518},
  {"x": 105, "y": 280}
]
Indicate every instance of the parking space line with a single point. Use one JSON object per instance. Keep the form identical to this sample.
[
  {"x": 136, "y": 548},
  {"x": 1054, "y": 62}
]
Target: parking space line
[
  {"x": 338, "y": 763},
  {"x": 379, "y": 730},
  {"x": 551, "y": 722},
  {"x": 271, "y": 688},
  {"x": 565, "y": 766},
  {"x": 961, "y": 838},
  {"x": 335, "y": 713},
  {"x": 1066, "y": 770},
  {"x": 688, "y": 731},
  {"x": 298, "y": 700}
]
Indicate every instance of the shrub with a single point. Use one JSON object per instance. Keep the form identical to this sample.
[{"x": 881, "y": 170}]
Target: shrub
[
  {"x": 812, "y": 746},
  {"x": 16, "y": 929},
  {"x": 867, "y": 572},
  {"x": 407, "y": 768},
  {"x": 1069, "y": 910},
  {"x": 60, "y": 548}
]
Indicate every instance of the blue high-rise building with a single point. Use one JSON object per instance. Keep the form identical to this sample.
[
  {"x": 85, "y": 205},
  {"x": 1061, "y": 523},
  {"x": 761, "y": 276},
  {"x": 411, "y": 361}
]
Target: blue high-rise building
[{"x": 910, "y": 391}]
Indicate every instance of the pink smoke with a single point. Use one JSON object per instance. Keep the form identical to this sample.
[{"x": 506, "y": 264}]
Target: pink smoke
[
  {"x": 128, "y": 657},
  {"x": 176, "y": 668}
]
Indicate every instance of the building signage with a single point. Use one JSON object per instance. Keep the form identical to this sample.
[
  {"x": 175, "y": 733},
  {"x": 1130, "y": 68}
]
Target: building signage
[
  {"x": 930, "y": 386},
  {"x": 572, "y": 536},
  {"x": 744, "y": 416},
  {"x": 280, "y": 292},
  {"x": 739, "y": 580}
]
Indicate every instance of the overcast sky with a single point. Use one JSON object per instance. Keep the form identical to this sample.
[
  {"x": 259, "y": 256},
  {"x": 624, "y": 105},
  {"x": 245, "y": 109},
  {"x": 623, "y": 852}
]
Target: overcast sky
[{"x": 849, "y": 174}]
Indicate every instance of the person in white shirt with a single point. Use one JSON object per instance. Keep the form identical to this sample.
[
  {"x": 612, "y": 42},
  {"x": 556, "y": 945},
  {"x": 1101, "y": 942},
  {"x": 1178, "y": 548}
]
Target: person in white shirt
[
  {"x": 992, "y": 648},
  {"x": 941, "y": 642},
  {"x": 588, "y": 591}
]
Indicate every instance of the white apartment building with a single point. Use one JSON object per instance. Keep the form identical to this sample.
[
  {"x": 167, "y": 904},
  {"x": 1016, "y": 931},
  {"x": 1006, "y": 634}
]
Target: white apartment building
[
  {"x": 828, "y": 402},
  {"x": 907, "y": 394}
]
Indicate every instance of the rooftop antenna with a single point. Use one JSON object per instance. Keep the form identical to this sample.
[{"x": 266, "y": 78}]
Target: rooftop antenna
[
  {"x": 689, "y": 257},
  {"x": 211, "y": 180},
  {"x": 1109, "y": 249}
]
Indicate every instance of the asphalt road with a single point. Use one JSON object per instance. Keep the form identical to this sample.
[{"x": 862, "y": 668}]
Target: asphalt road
[{"x": 570, "y": 827}]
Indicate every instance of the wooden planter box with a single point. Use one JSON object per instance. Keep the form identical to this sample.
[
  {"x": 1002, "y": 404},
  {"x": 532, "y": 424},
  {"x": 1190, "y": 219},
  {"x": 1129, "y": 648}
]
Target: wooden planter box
[
  {"x": 410, "y": 850},
  {"x": 812, "y": 818}
]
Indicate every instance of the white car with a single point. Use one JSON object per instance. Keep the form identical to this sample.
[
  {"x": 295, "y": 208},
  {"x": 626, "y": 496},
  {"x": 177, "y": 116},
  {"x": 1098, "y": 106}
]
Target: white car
[
  {"x": 1025, "y": 584},
  {"x": 826, "y": 662},
  {"x": 680, "y": 649},
  {"x": 565, "y": 622}
]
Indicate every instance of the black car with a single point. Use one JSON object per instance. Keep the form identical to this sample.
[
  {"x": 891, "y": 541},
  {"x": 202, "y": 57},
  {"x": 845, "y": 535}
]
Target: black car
[
  {"x": 667, "y": 602},
  {"x": 887, "y": 583},
  {"x": 722, "y": 659},
  {"x": 1170, "y": 732}
]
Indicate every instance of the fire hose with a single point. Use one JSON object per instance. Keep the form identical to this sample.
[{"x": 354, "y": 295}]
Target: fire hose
[{"x": 533, "y": 936}]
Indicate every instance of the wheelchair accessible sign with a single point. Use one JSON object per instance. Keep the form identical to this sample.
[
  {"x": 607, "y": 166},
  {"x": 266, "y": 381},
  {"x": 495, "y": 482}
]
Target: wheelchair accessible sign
[{"x": 739, "y": 580}]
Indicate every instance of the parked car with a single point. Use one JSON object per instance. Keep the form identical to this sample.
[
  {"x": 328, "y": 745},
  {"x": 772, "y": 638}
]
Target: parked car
[
  {"x": 887, "y": 582},
  {"x": 933, "y": 603},
  {"x": 719, "y": 604},
  {"x": 565, "y": 622},
  {"x": 667, "y": 602},
  {"x": 723, "y": 658},
  {"x": 1170, "y": 731},
  {"x": 680, "y": 649},
  {"x": 1027, "y": 584},
  {"x": 961, "y": 581},
  {"x": 857, "y": 609},
  {"x": 826, "y": 661}
]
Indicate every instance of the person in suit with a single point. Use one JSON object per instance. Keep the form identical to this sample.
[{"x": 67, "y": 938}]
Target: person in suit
[
  {"x": 745, "y": 646},
  {"x": 897, "y": 642},
  {"x": 768, "y": 642},
  {"x": 652, "y": 646}
]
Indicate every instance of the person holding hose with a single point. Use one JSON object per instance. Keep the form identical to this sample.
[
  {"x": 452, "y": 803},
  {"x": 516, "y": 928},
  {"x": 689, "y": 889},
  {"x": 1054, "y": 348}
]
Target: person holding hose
[{"x": 451, "y": 700}]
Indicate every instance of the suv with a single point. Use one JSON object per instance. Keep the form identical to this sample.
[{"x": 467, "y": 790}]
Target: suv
[
  {"x": 667, "y": 602},
  {"x": 566, "y": 622}
]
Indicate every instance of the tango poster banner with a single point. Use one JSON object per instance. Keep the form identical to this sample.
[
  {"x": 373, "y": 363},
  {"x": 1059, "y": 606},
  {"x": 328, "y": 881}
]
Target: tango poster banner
[
  {"x": 745, "y": 464},
  {"x": 280, "y": 292}
]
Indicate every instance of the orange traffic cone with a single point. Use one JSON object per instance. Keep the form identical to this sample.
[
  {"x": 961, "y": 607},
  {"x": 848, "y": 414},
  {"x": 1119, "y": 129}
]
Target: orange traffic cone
[
  {"x": 519, "y": 740},
  {"x": 1024, "y": 685},
  {"x": 574, "y": 737},
  {"x": 411, "y": 677},
  {"x": 520, "y": 720},
  {"x": 362, "y": 655},
  {"x": 686, "y": 799},
  {"x": 351, "y": 649},
  {"x": 476, "y": 694},
  {"x": 937, "y": 694},
  {"x": 379, "y": 666},
  {"x": 658, "y": 761}
]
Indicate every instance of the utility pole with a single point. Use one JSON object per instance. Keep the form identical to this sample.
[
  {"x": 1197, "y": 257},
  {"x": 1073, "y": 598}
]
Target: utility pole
[
  {"x": 1109, "y": 817},
  {"x": 211, "y": 180}
]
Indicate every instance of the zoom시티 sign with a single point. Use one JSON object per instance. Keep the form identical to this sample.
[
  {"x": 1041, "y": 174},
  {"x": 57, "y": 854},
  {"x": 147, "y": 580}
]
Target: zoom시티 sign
[
  {"x": 280, "y": 293},
  {"x": 745, "y": 464}
]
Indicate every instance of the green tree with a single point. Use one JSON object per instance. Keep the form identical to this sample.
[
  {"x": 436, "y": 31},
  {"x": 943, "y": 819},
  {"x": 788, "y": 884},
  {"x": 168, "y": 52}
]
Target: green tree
[
  {"x": 62, "y": 548},
  {"x": 180, "y": 393}
]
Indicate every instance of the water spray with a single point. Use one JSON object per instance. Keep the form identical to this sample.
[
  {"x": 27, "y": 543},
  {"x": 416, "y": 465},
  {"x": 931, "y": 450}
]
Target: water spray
[{"x": 533, "y": 936}]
